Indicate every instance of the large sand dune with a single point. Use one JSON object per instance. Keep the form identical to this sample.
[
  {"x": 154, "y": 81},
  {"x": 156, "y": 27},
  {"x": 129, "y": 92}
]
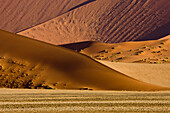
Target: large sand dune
[
  {"x": 16, "y": 15},
  {"x": 107, "y": 21},
  {"x": 156, "y": 51},
  {"x": 142, "y": 53},
  {"x": 27, "y": 63}
]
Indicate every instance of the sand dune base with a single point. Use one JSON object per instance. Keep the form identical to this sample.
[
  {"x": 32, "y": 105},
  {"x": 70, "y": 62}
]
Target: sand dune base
[
  {"x": 158, "y": 74},
  {"x": 27, "y": 63}
]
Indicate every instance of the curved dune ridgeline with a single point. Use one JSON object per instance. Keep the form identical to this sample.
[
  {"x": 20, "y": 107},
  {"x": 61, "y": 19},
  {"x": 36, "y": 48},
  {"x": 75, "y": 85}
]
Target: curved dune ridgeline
[
  {"x": 153, "y": 52},
  {"x": 27, "y": 63},
  {"x": 17, "y": 15},
  {"x": 107, "y": 21}
]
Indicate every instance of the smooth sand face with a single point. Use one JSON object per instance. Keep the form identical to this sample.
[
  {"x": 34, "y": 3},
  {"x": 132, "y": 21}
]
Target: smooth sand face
[
  {"x": 106, "y": 21},
  {"x": 17, "y": 15},
  {"x": 158, "y": 74},
  {"x": 27, "y": 63},
  {"x": 74, "y": 101}
]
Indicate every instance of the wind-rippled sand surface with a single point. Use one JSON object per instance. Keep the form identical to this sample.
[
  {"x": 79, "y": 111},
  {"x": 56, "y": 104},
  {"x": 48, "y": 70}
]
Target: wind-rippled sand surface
[
  {"x": 24, "y": 100},
  {"x": 106, "y": 21}
]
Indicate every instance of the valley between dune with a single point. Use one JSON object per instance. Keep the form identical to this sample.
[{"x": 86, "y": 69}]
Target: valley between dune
[
  {"x": 29, "y": 63},
  {"x": 84, "y": 56}
]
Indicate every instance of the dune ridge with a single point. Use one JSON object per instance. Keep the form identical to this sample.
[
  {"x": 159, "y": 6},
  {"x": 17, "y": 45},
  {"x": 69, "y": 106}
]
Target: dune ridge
[
  {"x": 146, "y": 61},
  {"x": 153, "y": 51},
  {"x": 17, "y": 15},
  {"x": 106, "y": 21},
  {"x": 27, "y": 63}
]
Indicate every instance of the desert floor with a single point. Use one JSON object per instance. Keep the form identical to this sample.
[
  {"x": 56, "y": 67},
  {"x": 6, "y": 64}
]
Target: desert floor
[{"x": 38, "y": 100}]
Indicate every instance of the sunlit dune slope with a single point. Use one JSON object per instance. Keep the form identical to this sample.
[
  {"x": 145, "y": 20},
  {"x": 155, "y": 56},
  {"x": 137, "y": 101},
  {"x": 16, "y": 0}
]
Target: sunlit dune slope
[
  {"x": 16, "y": 15},
  {"x": 27, "y": 63},
  {"x": 142, "y": 52},
  {"x": 157, "y": 51},
  {"x": 158, "y": 74},
  {"x": 107, "y": 21}
]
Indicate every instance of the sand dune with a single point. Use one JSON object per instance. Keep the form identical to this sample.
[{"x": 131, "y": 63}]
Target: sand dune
[
  {"x": 106, "y": 21},
  {"x": 143, "y": 52},
  {"x": 158, "y": 74},
  {"x": 27, "y": 63},
  {"x": 157, "y": 51},
  {"x": 17, "y": 15}
]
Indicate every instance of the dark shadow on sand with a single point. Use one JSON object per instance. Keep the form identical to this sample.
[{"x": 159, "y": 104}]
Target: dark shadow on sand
[
  {"x": 158, "y": 33},
  {"x": 87, "y": 2}
]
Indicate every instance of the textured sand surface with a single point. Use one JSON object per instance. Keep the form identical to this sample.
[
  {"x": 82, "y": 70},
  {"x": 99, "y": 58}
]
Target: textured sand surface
[
  {"x": 28, "y": 63},
  {"x": 64, "y": 101},
  {"x": 16, "y": 15},
  {"x": 153, "y": 52},
  {"x": 107, "y": 21}
]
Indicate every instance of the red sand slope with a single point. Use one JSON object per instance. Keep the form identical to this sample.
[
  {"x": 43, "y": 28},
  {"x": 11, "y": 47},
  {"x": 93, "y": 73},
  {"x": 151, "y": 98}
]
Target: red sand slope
[
  {"x": 106, "y": 21},
  {"x": 16, "y": 15}
]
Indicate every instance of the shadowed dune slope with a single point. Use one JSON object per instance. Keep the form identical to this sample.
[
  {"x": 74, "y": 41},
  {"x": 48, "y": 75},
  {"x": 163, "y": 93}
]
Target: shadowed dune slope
[
  {"x": 158, "y": 33},
  {"x": 17, "y": 15},
  {"x": 27, "y": 63},
  {"x": 78, "y": 46},
  {"x": 106, "y": 21},
  {"x": 155, "y": 51}
]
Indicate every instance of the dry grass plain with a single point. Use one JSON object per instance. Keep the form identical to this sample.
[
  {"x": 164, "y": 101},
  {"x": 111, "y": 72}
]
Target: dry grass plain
[{"x": 52, "y": 101}]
